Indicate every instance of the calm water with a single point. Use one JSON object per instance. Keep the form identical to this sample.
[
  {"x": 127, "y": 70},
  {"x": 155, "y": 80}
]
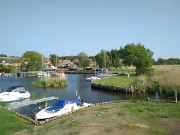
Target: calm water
[{"x": 76, "y": 82}]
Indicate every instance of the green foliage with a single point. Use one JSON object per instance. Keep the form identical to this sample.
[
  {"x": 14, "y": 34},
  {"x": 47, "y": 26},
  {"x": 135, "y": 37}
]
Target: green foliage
[
  {"x": 34, "y": 60},
  {"x": 170, "y": 61},
  {"x": 54, "y": 59},
  {"x": 3, "y": 55},
  {"x": 103, "y": 59},
  {"x": 115, "y": 57},
  {"x": 83, "y": 59},
  {"x": 138, "y": 56},
  {"x": 4, "y": 104}
]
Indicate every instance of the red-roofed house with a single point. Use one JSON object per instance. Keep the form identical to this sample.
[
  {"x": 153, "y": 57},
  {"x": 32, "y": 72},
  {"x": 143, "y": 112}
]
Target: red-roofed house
[
  {"x": 65, "y": 63},
  {"x": 47, "y": 61}
]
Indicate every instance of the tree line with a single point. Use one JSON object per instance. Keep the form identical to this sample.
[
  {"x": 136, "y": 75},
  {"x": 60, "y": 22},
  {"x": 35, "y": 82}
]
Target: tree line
[
  {"x": 170, "y": 61},
  {"x": 130, "y": 55}
]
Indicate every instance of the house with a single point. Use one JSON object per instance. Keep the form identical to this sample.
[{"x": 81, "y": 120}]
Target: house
[
  {"x": 76, "y": 62},
  {"x": 65, "y": 63},
  {"x": 47, "y": 61},
  {"x": 11, "y": 61}
]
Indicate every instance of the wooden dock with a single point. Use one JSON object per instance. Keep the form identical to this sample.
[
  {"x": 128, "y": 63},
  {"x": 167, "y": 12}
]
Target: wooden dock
[{"x": 18, "y": 105}]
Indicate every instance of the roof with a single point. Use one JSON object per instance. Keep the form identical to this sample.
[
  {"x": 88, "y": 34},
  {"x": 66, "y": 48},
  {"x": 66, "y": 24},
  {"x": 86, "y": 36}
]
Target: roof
[
  {"x": 60, "y": 61},
  {"x": 48, "y": 60},
  {"x": 9, "y": 59}
]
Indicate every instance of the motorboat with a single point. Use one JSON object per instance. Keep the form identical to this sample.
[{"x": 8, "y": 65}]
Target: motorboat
[
  {"x": 5, "y": 75},
  {"x": 104, "y": 75},
  {"x": 43, "y": 74},
  {"x": 93, "y": 78},
  {"x": 59, "y": 108},
  {"x": 14, "y": 93},
  {"x": 49, "y": 67},
  {"x": 58, "y": 73}
]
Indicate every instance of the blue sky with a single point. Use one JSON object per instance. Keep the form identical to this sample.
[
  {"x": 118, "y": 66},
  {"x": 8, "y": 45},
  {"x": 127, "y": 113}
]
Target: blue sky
[{"x": 68, "y": 27}]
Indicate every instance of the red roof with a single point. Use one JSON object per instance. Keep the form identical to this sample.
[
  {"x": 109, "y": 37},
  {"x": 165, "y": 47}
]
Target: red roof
[
  {"x": 68, "y": 61},
  {"x": 48, "y": 60},
  {"x": 60, "y": 61}
]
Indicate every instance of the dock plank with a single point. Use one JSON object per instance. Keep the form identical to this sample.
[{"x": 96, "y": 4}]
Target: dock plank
[{"x": 14, "y": 106}]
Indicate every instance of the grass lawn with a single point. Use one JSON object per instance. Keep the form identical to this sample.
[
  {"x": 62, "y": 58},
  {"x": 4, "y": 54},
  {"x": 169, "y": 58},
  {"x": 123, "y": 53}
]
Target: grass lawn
[
  {"x": 134, "y": 118},
  {"x": 131, "y": 118},
  {"x": 10, "y": 123},
  {"x": 119, "y": 81}
]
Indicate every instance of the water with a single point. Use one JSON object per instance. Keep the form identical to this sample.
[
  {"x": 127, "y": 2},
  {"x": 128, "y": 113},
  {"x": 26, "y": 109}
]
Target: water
[{"x": 76, "y": 82}]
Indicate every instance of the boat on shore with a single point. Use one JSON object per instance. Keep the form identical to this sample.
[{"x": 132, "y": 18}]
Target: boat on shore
[
  {"x": 14, "y": 93},
  {"x": 59, "y": 108}
]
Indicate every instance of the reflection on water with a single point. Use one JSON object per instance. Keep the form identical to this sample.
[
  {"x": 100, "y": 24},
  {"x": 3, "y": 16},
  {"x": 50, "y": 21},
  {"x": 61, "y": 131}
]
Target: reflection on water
[{"x": 76, "y": 82}]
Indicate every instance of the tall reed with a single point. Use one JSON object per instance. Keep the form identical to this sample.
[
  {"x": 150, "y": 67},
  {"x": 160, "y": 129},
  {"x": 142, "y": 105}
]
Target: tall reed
[
  {"x": 58, "y": 82},
  {"x": 163, "y": 81}
]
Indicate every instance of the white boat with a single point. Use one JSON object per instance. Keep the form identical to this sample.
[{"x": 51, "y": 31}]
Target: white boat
[
  {"x": 14, "y": 93},
  {"x": 104, "y": 75},
  {"x": 59, "y": 108},
  {"x": 93, "y": 78},
  {"x": 49, "y": 67},
  {"x": 43, "y": 73}
]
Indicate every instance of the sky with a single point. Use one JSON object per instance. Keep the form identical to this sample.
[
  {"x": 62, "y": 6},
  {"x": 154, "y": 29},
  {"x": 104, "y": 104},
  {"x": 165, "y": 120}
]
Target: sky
[{"x": 68, "y": 27}]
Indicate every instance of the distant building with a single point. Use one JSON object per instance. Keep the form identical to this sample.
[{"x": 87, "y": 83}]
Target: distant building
[
  {"x": 65, "y": 63},
  {"x": 12, "y": 61},
  {"x": 76, "y": 62},
  {"x": 47, "y": 61}
]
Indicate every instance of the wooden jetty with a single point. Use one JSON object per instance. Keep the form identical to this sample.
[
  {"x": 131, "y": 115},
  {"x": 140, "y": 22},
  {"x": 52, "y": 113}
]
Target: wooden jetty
[{"x": 14, "y": 106}]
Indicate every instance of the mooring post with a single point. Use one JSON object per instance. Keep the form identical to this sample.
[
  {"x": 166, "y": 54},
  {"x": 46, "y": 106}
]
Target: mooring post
[
  {"x": 175, "y": 93},
  {"x": 36, "y": 125}
]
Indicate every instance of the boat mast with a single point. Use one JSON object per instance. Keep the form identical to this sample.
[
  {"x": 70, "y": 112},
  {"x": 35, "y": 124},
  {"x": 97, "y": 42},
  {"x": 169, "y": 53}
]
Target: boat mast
[
  {"x": 42, "y": 61},
  {"x": 95, "y": 65},
  {"x": 104, "y": 59}
]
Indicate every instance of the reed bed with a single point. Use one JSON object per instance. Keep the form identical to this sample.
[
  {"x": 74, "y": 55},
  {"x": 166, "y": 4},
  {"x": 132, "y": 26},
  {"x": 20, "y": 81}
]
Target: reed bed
[
  {"x": 165, "y": 79},
  {"x": 58, "y": 82}
]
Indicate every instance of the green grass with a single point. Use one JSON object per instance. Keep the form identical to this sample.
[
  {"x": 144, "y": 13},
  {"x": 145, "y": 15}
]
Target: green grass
[
  {"x": 4, "y": 104},
  {"x": 10, "y": 123},
  {"x": 117, "y": 118},
  {"x": 118, "y": 81},
  {"x": 128, "y": 118}
]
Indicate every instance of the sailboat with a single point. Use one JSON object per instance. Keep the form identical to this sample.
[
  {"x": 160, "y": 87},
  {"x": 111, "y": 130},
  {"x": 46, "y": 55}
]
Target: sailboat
[{"x": 93, "y": 78}]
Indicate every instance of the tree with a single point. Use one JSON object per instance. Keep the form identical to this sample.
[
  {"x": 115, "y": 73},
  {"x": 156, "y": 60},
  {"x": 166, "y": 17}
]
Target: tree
[
  {"x": 3, "y": 55},
  {"x": 115, "y": 58},
  {"x": 34, "y": 60},
  {"x": 83, "y": 59},
  {"x": 54, "y": 59},
  {"x": 103, "y": 59},
  {"x": 138, "y": 56}
]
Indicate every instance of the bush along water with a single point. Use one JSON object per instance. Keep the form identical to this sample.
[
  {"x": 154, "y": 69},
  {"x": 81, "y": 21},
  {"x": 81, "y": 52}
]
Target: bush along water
[
  {"x": 163, "y": 82},
  {"x": 51, "y": 83}
]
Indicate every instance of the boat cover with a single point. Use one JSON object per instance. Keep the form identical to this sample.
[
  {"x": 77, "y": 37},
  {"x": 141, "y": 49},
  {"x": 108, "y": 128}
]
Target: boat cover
[
  {"x": 58, "y": 105},
  {"x": 14, "y": 87}
]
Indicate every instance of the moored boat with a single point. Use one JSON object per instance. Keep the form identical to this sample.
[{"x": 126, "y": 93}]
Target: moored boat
[
  {"x": 49, "y": 67},
  {"x": 93, "y": 78},
  {"x": 58, "y": 73},
  {"x": 59, "y": 108},
  {"x": 14, "y": 93}
]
